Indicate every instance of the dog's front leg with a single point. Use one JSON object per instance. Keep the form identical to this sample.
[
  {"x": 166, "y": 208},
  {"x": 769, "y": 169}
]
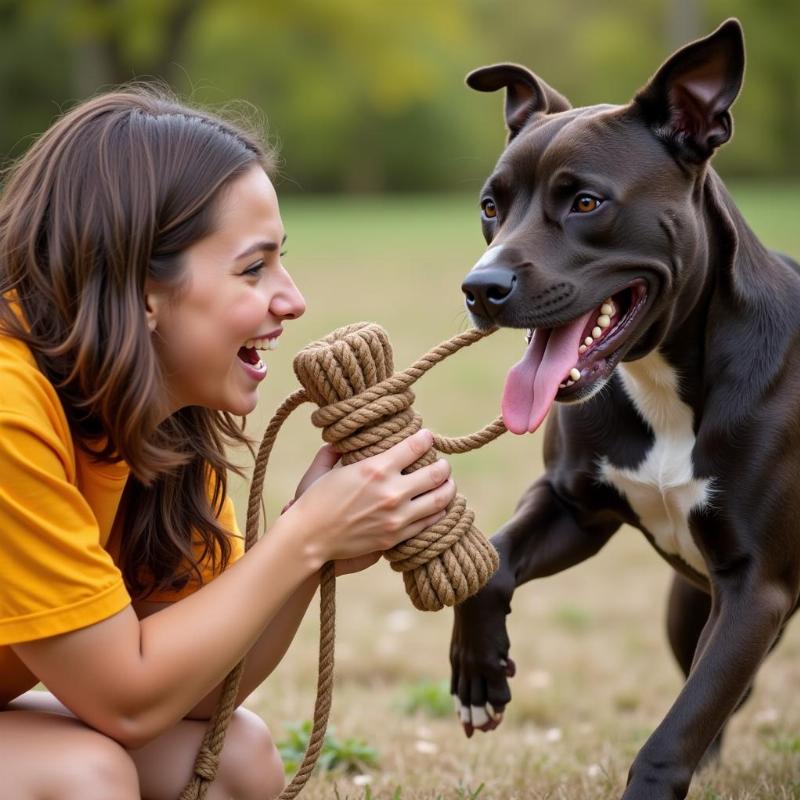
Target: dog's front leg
[
  {"x": 543, "y": 537},
  {"x": 747, "y": 617}
]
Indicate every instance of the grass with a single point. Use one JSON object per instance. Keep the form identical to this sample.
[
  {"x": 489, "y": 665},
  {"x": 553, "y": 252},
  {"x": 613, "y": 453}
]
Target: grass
[{"x": 595, "y": 674}]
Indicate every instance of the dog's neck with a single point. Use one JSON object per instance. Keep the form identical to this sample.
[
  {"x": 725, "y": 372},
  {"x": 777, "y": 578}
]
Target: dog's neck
[{"x": 734, "y": 334}]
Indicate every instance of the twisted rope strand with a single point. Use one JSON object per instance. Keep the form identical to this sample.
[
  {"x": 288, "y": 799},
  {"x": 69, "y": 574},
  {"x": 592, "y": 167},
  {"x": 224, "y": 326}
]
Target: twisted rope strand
[{"x": 364, "y": 409}]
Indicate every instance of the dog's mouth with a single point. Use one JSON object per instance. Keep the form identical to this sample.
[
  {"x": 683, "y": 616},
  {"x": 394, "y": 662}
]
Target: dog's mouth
[{"x": 570, "y": 362}]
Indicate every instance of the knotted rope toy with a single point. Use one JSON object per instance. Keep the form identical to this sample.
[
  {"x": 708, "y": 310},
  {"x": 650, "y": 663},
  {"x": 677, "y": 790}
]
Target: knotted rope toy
[{"x": 364, "y": 409}]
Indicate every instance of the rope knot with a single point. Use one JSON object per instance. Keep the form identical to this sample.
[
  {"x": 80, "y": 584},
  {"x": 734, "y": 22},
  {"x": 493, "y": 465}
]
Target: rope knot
[
  {"x": 366, "y": 408},
  {"x": 206, "y": 764}
]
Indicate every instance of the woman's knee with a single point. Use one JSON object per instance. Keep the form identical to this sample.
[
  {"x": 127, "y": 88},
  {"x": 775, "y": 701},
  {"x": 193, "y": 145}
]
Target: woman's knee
[
  {"x": 56, "y": 756},
  {"x": 98, "y": 767},
  {"x": 250, "y": 766}
]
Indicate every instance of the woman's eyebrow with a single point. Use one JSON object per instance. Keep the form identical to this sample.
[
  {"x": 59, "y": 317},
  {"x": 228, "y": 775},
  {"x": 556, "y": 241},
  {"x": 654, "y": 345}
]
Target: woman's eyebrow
[{"x": 259, "y": 247}]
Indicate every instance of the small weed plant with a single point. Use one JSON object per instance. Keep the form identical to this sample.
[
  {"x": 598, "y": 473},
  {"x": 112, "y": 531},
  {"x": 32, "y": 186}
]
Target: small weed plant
[
  {"x": 431, "y": 698},
  {"x": 349, "y": 754}
]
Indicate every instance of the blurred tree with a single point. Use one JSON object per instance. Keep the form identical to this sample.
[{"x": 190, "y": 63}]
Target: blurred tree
[
  {"x": 767, "y": 113},
  {"x": 354, "y": 88},
  {"x": 365, "y": 96}
]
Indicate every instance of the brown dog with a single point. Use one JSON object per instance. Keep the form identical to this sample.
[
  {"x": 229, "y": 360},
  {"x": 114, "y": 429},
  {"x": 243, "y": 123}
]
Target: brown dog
[{"x": 615, "y": 243}]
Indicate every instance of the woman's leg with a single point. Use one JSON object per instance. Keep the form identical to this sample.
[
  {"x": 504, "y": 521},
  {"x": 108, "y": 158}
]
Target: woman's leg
[
  {"x": 250, "y": 766},
  {"x": 47, "y": 756}
]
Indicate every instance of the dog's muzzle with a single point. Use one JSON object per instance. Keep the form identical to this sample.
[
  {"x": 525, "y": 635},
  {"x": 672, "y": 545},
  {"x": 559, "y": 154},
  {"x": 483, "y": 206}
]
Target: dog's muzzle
[{"x": 488, "y": 289}]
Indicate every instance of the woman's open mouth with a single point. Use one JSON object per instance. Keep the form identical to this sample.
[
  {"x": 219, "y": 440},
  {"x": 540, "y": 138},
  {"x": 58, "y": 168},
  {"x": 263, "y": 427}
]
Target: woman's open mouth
[
  {"x": 567, "y": 362},
  {"x": 248, "y": 355}
]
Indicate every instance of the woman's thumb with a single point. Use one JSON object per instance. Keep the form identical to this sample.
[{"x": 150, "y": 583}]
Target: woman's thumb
[{"x": 324, "y": 461}]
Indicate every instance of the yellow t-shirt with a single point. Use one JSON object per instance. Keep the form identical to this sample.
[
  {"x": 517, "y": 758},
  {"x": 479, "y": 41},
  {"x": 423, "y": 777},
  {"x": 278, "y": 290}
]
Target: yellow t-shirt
[{"x": 57, "y": 512}]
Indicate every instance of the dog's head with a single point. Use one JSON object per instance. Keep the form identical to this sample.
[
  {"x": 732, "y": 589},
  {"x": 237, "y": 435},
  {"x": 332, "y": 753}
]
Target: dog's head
[{"x": 592, "y": 217}]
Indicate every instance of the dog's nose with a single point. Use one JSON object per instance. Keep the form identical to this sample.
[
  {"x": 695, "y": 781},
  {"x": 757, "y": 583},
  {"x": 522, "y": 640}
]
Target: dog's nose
[{"x": 487, "y": 289}]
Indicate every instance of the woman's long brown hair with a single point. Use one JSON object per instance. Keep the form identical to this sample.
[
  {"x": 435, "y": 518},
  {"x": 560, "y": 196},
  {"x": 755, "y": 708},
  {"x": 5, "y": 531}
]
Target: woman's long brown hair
[{"x": 111, "y": 195}]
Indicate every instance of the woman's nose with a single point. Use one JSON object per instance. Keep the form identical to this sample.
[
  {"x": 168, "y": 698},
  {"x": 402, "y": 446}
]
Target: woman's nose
[{"x": 288, "y": 303}]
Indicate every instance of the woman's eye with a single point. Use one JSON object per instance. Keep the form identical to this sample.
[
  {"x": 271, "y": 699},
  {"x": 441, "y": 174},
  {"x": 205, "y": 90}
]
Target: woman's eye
[
  {"x": 489, "y": 209},
  {"x": 254, "y": 269},
  {"x": 585, "y": 203}
]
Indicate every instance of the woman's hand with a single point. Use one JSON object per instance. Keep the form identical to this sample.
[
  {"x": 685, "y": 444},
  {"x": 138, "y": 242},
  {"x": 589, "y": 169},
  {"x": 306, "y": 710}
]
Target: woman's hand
[
  {"x": 347, "y": 566},
  {"x": 324, "y": 461},
  {"x": 369, "y": 507}
]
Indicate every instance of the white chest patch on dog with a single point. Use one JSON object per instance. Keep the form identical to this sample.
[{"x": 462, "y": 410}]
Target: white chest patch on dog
[{"x": 662, "y": 490}]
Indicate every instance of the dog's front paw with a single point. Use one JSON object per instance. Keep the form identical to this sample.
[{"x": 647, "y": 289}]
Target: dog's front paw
[{"x": 479, "y": 660}]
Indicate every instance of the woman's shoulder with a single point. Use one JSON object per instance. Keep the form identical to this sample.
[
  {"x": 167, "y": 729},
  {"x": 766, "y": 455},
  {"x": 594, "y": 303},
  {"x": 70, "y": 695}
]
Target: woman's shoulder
[{"x": 24, "y": 389}]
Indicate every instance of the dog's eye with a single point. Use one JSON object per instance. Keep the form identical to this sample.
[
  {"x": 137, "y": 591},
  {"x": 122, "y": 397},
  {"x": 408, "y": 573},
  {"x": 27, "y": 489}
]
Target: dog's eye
[
  {"x": 584, "y": 203},
  {"x": 489, "y": 209}
]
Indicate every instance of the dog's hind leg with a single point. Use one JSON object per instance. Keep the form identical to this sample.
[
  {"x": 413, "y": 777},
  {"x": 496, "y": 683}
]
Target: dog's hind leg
[{"x": 687, "y": 613}]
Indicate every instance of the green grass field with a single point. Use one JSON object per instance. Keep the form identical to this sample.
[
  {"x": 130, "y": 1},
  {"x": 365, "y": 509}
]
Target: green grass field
[{"x": 595, "y": 674}]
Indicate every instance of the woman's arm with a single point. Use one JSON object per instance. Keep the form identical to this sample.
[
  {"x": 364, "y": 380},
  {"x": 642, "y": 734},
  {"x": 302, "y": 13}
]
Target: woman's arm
[
  {"x": 267, "y": 652},
  {"x": 274, "y": 641},
  {"x": 132, "y": 679}
]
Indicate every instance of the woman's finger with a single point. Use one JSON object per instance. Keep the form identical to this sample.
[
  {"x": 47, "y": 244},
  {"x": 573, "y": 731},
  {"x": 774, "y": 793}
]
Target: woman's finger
[
  {"x": 405, "y": 453},
  {"x": 434, "y": 501},
  {"x": 426, "y": 478},
  {"x": 415, "y": 528},
  {"x": 346, "y": 566}
]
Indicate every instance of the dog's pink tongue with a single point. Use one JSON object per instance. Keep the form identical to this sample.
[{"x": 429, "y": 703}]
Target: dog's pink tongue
[{"x": 532, "y": 384}]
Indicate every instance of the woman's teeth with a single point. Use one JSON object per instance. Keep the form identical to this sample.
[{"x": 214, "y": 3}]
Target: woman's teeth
[{"x": 263, "y": 344}]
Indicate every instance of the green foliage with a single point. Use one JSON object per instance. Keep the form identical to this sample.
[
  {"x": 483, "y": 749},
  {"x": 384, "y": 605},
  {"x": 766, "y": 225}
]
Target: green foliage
[
  {"x": 366, "y": 96},
  {"x": 348, "y": 755},
  {"x": 785, "y": 744},
  {"x": 465, "y": 793},
  {"x": 431, "y": 698},
  {"x": 572, "y": 618}
]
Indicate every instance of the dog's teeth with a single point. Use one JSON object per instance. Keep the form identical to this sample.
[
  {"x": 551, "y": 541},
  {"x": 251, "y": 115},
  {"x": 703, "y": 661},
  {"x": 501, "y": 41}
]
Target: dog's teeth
[
  {"x": 583, "y": 348},
  {"x": 528, "y": 335},
  {"x": 574, "y": 374},
  {"x": 607, "y": 309},
  {"x": 596, "y": 332},
  {"x": 588, "y": 341},
  {"x": 603, "y": 320}
]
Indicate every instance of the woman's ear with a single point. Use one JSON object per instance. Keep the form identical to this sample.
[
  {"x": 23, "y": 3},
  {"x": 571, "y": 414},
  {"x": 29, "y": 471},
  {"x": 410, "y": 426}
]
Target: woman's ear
[{"x": 153, "y": 302}]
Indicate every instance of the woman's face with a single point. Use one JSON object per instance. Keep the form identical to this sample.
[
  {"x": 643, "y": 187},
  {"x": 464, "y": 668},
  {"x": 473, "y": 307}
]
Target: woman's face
[{"x": 212, "y": 333}]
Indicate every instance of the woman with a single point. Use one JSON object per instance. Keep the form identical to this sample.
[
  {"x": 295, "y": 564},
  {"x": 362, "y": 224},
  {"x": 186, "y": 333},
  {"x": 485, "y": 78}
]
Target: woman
[{"x": 140, "y": 274}]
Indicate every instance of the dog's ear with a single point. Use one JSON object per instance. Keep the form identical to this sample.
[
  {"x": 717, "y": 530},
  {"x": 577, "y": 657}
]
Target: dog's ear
[
  {"x": 525, "y": 93},
  {"x": 687, "y": 100}
]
